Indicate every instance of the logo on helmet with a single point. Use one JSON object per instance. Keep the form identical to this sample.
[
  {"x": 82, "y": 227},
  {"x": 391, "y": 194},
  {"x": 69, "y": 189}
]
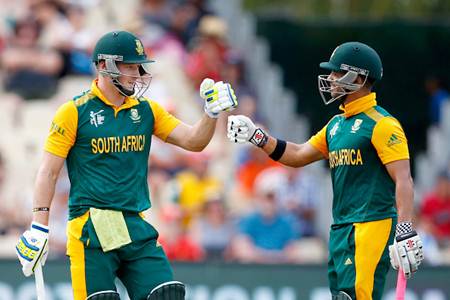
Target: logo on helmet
[{"x": 139, "y": 47}]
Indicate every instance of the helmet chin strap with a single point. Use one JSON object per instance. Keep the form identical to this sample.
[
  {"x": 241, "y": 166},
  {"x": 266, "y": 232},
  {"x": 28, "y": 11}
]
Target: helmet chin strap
[{"x": 121, "y": 88}]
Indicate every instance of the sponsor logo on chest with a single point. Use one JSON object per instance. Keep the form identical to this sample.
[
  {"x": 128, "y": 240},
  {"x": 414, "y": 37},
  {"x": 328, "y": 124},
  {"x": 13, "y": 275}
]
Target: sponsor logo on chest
[
  {"x": 345, "y": 157},
  {"x": 117, "y": 144}
]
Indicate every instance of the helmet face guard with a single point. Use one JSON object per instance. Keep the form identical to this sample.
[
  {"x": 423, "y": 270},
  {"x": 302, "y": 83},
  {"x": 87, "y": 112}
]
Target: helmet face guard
[
  {"x": 141, "y": 82},
  {"x": 334, "y": 89}
]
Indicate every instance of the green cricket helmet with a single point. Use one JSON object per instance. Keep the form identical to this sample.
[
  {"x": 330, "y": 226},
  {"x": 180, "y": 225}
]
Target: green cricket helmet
[
  {"x": 353, "y": 59},
  {"x": 123, "y": 47}
]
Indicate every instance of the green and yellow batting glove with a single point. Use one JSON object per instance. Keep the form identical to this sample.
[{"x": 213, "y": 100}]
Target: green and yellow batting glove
[
  {"x": 32, "y": 248},
  {"x": 218, "y": 96}
]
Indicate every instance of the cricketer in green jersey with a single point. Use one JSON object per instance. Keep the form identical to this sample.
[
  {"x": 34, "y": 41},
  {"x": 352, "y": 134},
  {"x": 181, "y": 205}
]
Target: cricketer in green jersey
[
  {"x": 105, "y": 136},
  {"x": 369, "y": 161}
]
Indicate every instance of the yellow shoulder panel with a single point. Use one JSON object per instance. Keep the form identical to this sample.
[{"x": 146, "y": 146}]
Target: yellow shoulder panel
[
  {"x": 389, "y": 140},
  {"x": 83, "y": 99},
  {"x": 319, "y": 141},
  {"x": 164, "y": 121},
  {"x": 374, "y": 114},
  {"x": 63, "y": 130}
]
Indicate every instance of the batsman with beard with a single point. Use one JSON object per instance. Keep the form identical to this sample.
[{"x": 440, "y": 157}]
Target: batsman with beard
[{"x": 369, "y": 161}]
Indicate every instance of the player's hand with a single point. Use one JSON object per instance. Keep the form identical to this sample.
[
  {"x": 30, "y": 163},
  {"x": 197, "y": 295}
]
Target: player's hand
[
  {"x": 241, "y": 129},
  {"x": 406, "y": 252},
  {"x": 218, "y": 97},
  {"x": 32, "y": 247}
]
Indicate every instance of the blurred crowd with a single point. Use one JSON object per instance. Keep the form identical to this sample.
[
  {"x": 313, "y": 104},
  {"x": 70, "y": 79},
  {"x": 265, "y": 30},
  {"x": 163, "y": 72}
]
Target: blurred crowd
[{"x": 228, "y": 203}]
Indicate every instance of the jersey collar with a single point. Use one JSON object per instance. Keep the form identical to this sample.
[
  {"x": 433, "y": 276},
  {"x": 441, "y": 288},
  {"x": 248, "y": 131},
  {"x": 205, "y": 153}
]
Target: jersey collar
[
  {"x": 129, "y": 101},
  {"x": 359, "y": 105}
]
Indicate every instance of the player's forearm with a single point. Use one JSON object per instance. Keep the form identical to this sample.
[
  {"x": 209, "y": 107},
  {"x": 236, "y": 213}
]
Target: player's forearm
[
  {"x": 43, "y": 194},
  {"x": 404, "y": 195},
  {"x": 291, "y": 156},
  {"x": 201, "y": 134}
]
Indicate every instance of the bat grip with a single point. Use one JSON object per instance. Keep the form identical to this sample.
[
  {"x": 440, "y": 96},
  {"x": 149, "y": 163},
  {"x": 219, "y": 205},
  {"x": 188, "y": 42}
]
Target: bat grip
[
  {"x": 401, "y": 286},
  {"x": 39, "y": 279}
]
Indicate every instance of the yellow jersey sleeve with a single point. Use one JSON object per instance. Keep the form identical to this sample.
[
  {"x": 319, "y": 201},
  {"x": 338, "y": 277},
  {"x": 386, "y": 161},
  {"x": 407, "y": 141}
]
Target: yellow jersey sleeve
[
  {"x": 389, "y": 140},
  {"x": 319, "y": 141},
  {"x": 63, "y": 130},
  {"x": 164, "y": 121}
]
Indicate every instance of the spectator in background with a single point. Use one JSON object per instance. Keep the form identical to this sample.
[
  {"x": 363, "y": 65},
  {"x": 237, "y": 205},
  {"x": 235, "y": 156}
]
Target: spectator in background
[
  {"x": 78, "y": 49},
  {"x": 3, "y": 214},
  {"x": 185, "y": 20},
  {"x": 435, "y": 210},
  {"x": 214, "y": 229},
  {"x": 438, "y": 96},
  {"x": 266, "y": 235},
  {"x": 207, "y": 57},
  {"x": 13, "y": 212},
  {"x": 177, "y": 244},
  {"x": 156, "y": 12},
  {"x": 298, "y": 195},
  {"x": 252, "y": 163},
  {"x": 234, "y": 71},
  {"x": 30, "y": 71},
  {"x": 56, "y": 29},
  {"x": 434, "y": 254},
  {"x": 63, "y": 29},
  {"x": 195, "y": 184}
]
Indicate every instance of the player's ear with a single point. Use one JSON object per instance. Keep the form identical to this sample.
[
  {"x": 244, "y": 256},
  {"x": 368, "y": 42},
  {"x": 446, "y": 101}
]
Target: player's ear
[
  {"x": 101, "y": 65},
  {"x": 359, "y": 79}
]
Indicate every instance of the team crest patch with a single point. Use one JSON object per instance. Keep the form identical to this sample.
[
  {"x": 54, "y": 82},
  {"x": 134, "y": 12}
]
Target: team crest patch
[
  {"x": 334, "y": 129},
  {"x": 139, "y": 47},
  {"x": 135, "y": 115},
  {"x": 356, "y": 125}
]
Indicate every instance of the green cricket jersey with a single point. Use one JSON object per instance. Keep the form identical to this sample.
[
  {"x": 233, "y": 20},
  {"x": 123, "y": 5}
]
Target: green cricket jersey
[
  {"x": 107, "y": 149},
  {"x": 358, "y": 144}
]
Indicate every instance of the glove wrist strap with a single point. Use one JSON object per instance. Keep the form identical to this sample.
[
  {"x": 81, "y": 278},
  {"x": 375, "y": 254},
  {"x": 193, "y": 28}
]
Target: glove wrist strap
[
  {"x": 39, "y": 227},
  {"x": 259, "y": 138},
  {"x": 210, "y": 114},
  {"x": 403, "y": 228}
]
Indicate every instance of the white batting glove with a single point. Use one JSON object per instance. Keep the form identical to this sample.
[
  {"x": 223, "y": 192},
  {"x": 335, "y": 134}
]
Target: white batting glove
[
  {"x": 241, "y": 129},
  {"x": 406, "y": 252},
  {"x": 218, "y": 97},
  {"x": 32, "y": 247}
]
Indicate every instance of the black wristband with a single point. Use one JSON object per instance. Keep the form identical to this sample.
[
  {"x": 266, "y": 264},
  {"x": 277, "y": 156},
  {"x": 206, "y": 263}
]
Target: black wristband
[
  {"x": 279, "y": 150},
  {"x": 36, "y": 209}
]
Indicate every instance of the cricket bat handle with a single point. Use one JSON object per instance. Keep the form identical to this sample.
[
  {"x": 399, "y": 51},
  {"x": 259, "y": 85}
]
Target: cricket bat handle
[
  {"x": 401, "y": 286},
  {"x": 39, "y": 279}
]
